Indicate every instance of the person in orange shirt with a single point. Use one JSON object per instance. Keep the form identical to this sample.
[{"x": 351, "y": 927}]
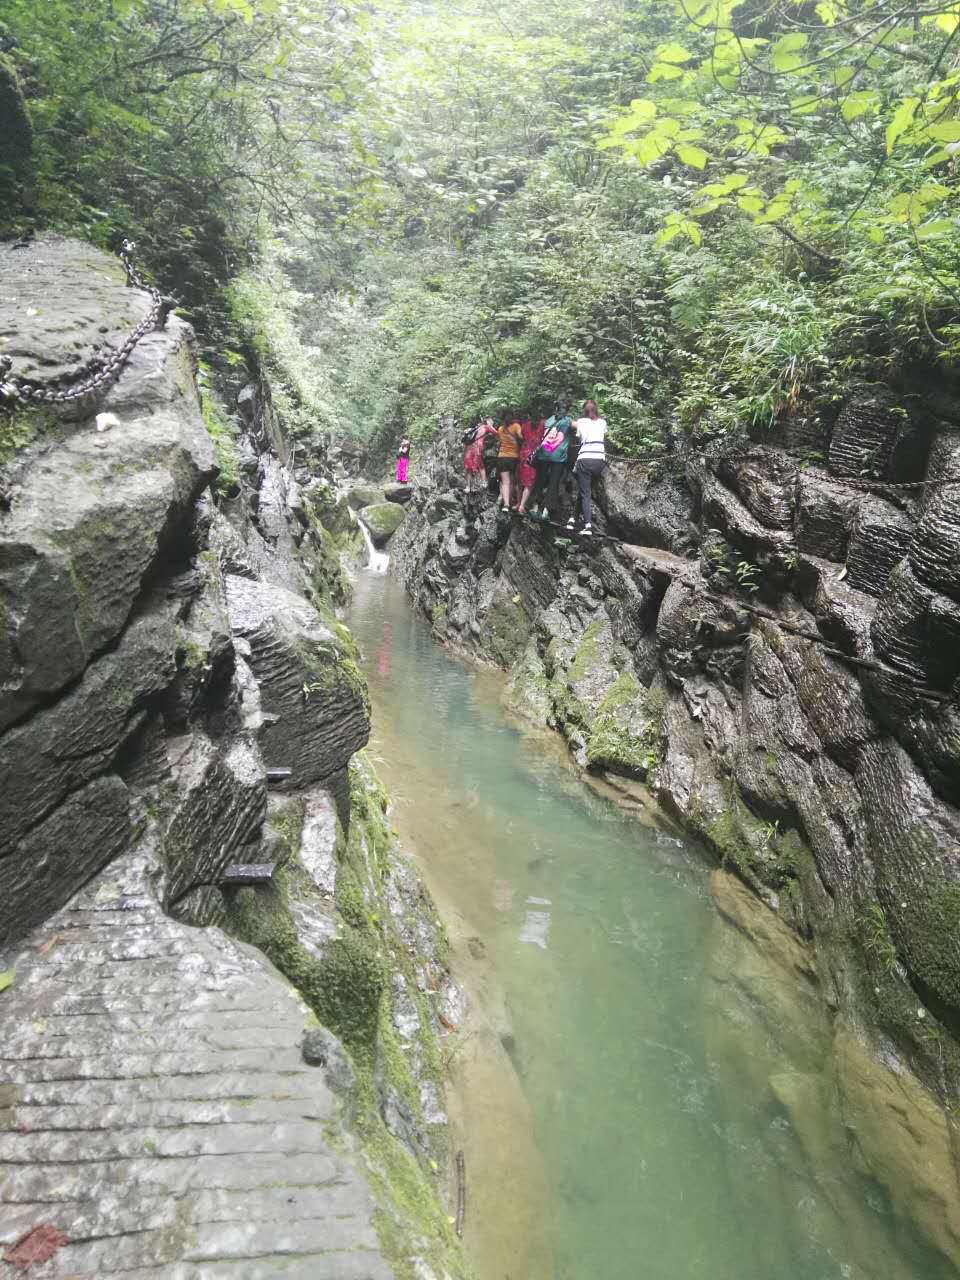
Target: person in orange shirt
[{"x": 508, "y": 455}]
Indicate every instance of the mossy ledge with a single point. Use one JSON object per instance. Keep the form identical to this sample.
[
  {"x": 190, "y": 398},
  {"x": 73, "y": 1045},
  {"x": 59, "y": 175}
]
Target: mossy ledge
[{"x": 349, "y": 983}]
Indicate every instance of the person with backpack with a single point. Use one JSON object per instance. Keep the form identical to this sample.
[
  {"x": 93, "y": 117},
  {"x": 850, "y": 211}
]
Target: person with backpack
[
  {"x": 474, "y": 439},
  {"x": 591, "y": 461},
  {"x": 551, "y": 460}
]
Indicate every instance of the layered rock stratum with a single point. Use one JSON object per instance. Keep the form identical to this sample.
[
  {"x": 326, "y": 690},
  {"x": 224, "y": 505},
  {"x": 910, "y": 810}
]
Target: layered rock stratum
[{"x": 220, "y": 977}]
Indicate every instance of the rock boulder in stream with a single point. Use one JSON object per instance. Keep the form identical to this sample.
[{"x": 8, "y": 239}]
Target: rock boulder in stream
[{"x": 383, "y": 519}]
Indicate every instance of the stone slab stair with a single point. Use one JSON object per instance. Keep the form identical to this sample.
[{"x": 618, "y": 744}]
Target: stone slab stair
[{"x": 155, "y": 1108}]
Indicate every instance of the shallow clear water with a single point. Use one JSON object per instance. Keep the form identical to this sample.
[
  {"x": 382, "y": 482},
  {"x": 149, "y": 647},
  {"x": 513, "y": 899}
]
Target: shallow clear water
[{"x": 639, "y": 1020}]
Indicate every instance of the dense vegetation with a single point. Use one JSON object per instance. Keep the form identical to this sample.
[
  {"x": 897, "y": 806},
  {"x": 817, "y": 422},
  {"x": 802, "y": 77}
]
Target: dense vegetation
[{"x": 706, "y": 214}]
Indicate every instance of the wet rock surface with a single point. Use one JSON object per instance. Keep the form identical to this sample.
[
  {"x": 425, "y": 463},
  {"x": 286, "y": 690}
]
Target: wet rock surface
[
  {"x": 830, "y": 788},
  {"x": 174, "y": 1028},
  {"x": 156, "y": 1108},
  {"x": 383, "y": 519}
]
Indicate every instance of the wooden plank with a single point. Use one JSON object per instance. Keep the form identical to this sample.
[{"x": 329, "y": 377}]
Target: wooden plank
[{"x": 249, "y": 873}]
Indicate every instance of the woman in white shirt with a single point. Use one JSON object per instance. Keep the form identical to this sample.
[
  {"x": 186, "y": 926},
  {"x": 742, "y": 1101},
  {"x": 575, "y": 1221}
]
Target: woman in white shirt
[{"x": 591, "y": 460}]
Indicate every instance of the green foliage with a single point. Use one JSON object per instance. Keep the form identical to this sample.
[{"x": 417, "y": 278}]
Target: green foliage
[
  {"x": 189, "y": 125},
  {"x": 224, "y": 432},
  {"x": 877, "y": 939},
  {"x": 706, "y": 216}
]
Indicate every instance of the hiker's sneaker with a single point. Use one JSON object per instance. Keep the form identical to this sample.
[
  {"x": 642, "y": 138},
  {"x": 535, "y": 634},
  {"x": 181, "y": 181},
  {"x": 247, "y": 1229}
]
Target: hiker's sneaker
[
  {"x": 572, "y": 522},
  {"x": 587, "y": 529}
]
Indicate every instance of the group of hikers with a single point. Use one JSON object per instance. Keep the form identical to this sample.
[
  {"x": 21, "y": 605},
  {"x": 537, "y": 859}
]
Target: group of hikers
[{"x": 531, "y": 459}]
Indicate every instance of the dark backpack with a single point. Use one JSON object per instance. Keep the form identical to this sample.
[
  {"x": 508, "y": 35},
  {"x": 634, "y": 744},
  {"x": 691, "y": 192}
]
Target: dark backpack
[{"x": 470, "y": 435}]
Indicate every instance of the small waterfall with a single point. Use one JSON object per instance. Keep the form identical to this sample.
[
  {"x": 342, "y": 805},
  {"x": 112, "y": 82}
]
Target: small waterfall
[{"x": 376, "y": 560}]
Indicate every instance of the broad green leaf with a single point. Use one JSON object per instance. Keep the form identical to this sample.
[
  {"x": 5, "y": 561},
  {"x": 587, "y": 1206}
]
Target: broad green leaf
[
  {"x": 786, "y": 54},
  {"x": 664, "y": 71},
  {"x": 672, "y": 53},
  {"x": 732, "y": 182},
  {"x": 694, "y": 157},
  {"x": 940, "y": 227},
  {"x": 804, "y": 106},
  {"x": 651, "y": 148},
  {"x": 750, "y": 204},
  {"x": 6, "y": 979},
  {"x": 701, "y": 210},
  {"x": 642, "y": 109},
  {"x": 949, "y": 131},
  {"x": 669, "y": 233},
  {"x": 775, "y": 211},
  {"x": 859, "y": 103},
  {"x": 947, "y": 21},
  {"x": 828, "y": 12},
  {"x": 902, "y": 119}
]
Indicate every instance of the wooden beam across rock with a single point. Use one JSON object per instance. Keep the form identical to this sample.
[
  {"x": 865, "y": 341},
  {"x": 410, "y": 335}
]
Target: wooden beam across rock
[{"x": 241, "y": 873}]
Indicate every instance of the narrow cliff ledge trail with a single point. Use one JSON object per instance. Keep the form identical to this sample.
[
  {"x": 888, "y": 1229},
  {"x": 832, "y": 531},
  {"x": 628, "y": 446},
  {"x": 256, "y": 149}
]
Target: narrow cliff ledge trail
[
  {"x": 221, "y": 983},
  {"x": 830, "y": 787}
]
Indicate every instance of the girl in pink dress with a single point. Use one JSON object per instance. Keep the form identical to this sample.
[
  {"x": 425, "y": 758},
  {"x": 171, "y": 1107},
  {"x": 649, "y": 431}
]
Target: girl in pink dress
[{"x": 403, "y": 460}]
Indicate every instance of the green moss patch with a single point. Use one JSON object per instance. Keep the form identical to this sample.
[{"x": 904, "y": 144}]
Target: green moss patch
[
  {"x": 506, "y": 629},
  {"x": 224, "y": 433},
  {"x": 928, "y": 930},
  {"x": 19, "y": 428},
  {"x": 625, "y": 734},
  {"x": 383, "y": 520}
]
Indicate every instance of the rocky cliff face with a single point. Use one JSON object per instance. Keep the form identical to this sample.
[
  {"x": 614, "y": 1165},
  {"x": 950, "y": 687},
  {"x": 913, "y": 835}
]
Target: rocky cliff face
[
  {"x": 204, "y": 1072},
  {"x": 825, "y": 770}
]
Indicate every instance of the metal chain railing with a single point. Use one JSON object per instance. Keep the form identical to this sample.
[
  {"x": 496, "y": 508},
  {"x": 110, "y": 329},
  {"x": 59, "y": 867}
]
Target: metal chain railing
[{"x": 102, "y": 367}]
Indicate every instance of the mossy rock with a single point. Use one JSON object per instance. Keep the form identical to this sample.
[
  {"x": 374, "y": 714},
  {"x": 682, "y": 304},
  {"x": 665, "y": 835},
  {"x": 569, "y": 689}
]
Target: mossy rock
[
  {"x": 506, "y": 629},
  {"x": 927, "y": 927},
  {"x": 383, "y": 521},
  {"x": 529, "y": 692},
  {"x": 364, "y": 496},
  {"x": 624, "y": 737}
]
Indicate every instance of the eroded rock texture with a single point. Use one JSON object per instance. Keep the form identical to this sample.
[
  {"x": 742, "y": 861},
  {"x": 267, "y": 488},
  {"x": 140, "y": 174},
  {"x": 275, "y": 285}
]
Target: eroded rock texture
[
  {"x": 830, "y": 786},
  {"x": 166, "y": 1120},
  {"x": 160, "y": 651}
]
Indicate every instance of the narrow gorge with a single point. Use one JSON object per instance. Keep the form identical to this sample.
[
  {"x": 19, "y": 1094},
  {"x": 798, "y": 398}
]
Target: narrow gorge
[{"x": 396, "y": 886}]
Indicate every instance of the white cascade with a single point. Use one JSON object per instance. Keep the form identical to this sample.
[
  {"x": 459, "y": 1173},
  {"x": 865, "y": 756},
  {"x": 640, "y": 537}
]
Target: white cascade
[{"x": 377, "y": 561}]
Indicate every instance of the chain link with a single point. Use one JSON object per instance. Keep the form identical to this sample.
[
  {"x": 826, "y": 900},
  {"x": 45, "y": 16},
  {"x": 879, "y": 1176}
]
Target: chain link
[
  {"x": 101, "y": 368},
  {"x": 680, "y": 460}
]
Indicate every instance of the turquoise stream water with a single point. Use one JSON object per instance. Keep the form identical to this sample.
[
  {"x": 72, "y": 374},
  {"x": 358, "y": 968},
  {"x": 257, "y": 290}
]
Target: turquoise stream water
[{"x": 639, "y": 1027}]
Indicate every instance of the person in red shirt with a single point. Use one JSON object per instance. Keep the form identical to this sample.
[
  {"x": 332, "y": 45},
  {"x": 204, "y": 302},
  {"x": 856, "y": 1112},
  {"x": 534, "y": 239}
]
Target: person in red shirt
[
  {"x": 473, "y": 463},
  {"x": 526, "y": 471}
]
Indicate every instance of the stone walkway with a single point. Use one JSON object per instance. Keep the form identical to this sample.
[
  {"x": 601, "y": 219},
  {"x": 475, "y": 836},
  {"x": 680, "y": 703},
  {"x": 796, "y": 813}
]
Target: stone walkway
[{"x": 155, "y": 1108}]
